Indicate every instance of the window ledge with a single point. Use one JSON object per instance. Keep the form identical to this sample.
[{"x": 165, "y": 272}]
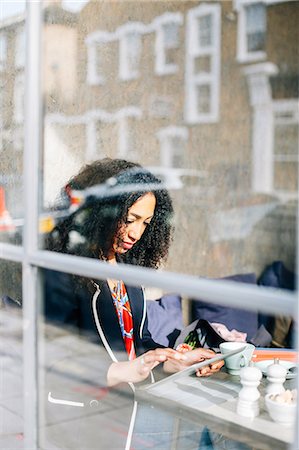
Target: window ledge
[{"x": 251, "y": 57}]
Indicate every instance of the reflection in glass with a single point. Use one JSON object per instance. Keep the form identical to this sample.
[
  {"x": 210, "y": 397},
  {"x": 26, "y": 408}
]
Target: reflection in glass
[
  {"x": 203, "y": 99},
  {"x": 12, "y": 78},
  {"x": 203, "y": 64},
  {"x": 205, "y": 31},
  {"x": 3, "y": 51},
  {"x": 83, "y": 337},
  {"x": 256, "y": 27},
  {"x": 11, "y": 355},
  {"x": 130, "y": 45},
  {"x": 233, "y": 123}
]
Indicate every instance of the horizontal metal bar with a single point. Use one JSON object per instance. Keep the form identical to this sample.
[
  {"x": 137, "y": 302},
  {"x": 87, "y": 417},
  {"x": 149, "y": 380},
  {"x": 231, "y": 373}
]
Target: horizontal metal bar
[
  {"x": 229, "y": 293},
  {"x": 11, "y": 252}
]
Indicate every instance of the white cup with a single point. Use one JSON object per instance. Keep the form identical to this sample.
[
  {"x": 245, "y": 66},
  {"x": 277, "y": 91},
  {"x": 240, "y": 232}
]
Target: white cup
[{"x": 235, "y": 363}]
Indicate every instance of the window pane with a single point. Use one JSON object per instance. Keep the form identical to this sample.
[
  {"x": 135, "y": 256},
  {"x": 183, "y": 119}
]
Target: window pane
[
  {"x": 255, "y": 41},
  {"x": 133, "y": 45},
  {"x": 20, "y": 48},
  {"x": 12, "y": 78},
  {"x": 117, "y": 119},
  {"x": 286, "y": 176},
  {"x": 170, "y": 56},
  {"x": 205, "y": 31},
  {"x": 286, "y": 147},
  {"x": 202, "y": 64},
  {"x": 11, "y": 351},
  {"x": 107, "y": 135},
  {"x": 81, "y": 318},
  {"x": 255, "y": 17},
  {"x": 171, "y": 35},
  {"x": 256, "y": 27},
  {"x": 3, "y": 51},
  {"x": 203, "y": 99},
  {"x": 209, "y": 219}
]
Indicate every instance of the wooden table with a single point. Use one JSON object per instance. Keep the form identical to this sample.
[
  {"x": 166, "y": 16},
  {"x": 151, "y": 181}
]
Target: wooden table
[{"x": 212, "y": 402}]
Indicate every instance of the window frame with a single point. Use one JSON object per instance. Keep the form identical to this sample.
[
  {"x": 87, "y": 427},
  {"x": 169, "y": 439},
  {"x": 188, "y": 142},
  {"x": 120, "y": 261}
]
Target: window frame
[
  {"x": 165, "y": 135},
  {"x": 284, "y": 106},
  {"x": 93, "y": 41},
  {"x": 32, "y": 259},
  {"x": 125, "y": 73},
  {"x": 91, "y": 118},
  {"x": 161, "y": 66},
  {"x": 243, "y": 54},
  {"x": 212, "y": 78}
]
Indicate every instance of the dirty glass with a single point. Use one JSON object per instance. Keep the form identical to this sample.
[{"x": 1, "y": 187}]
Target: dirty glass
[
  {"x": 12, "y": 79},
  {"x": 162, "y": 84},
  {"x": 157, "y": 83},
  {"x": 81, "y": 343},
  {"x": 204, "y": 96},
  {"x": 11, "y": 355}
]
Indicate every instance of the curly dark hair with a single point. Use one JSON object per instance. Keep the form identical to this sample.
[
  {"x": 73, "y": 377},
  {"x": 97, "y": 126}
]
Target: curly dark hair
[{"x": 110, "y": 187}]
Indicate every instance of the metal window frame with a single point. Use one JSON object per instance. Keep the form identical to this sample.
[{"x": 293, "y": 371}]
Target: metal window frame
[{"x": 31, "y": 258}]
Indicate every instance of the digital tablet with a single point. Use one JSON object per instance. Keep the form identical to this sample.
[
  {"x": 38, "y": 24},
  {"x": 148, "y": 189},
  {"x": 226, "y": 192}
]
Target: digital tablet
[{"x": 194, "y": 367}]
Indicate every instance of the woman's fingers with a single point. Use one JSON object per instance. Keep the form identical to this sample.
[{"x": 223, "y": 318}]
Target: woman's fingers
[
  {"x": 210, "y": 369},
  {"x": 160, "y": 355}
]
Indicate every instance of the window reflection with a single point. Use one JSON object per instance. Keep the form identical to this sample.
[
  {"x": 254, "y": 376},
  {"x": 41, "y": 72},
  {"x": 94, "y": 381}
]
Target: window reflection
[
  {"x": 255, "y": 27},
  {"x": 11, "y": 355},
  {"x": 12, "y": 79},
  {"x": 164, "y": 85},
  {"x": 249, "y": 169},
  {"x": 3, "y": 50}
]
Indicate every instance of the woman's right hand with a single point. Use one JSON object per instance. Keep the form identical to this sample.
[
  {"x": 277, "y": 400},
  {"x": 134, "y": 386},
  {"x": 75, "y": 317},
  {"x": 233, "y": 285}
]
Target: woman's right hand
[{"x": 139, "y": 368}]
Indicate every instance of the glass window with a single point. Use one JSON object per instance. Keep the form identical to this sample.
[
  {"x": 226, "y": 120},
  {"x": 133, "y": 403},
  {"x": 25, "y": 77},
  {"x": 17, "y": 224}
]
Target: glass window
[
  {"x": 20, "y": 48},
  {"x": 138, "y": 217},
  {"x": 173, "y": 146},
  {"x": 205, "y": 30},
  {"x": 19, "y": 99},
  {"x": 252, "y": 30},
  {"x": 130, "y": 54},
  {"x": 11, "y": 338},
  {"x": 286, "y": 159},
  {"x": 171, "y": 42},
  {"x": 2, "y": 106},
  {"x": 255, "y": 27},
  {"x": 167, "y": 43},
  {"x": 203, "y": 99},
  {"x": 99, "y": 50},
  {"x": 203, "y": 62},
  {"x": 3, "y": 51}
]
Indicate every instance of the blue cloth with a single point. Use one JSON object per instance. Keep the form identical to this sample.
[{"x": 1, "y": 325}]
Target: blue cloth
[
  {"x": 165, "y": 320},
  {"x": 233, "y": 318}
]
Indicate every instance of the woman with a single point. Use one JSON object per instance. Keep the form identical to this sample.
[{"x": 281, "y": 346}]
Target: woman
[{"x": 123, "y": 215}]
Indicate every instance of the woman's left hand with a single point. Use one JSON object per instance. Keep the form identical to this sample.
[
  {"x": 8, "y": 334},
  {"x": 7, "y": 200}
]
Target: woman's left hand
[{"x": 192, "y": 357}]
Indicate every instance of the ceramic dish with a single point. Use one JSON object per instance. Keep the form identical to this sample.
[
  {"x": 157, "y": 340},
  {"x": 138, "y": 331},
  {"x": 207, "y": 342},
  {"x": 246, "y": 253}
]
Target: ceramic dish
[
  {"x": 266, "y": 362},
  {"x": 282, "y": 413}
]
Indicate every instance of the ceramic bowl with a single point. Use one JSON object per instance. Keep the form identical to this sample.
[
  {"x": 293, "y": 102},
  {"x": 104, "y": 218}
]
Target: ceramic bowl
[{"x": 283, "y": 413}]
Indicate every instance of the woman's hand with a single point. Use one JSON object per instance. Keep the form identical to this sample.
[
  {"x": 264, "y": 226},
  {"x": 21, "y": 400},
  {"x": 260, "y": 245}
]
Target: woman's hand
[
  {"x": 139, "y": 368},
  {"x": 192, "y": 357}
]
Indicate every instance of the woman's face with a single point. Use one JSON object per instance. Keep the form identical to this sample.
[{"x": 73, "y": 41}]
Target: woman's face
[{"x": 139, "y": 217}]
